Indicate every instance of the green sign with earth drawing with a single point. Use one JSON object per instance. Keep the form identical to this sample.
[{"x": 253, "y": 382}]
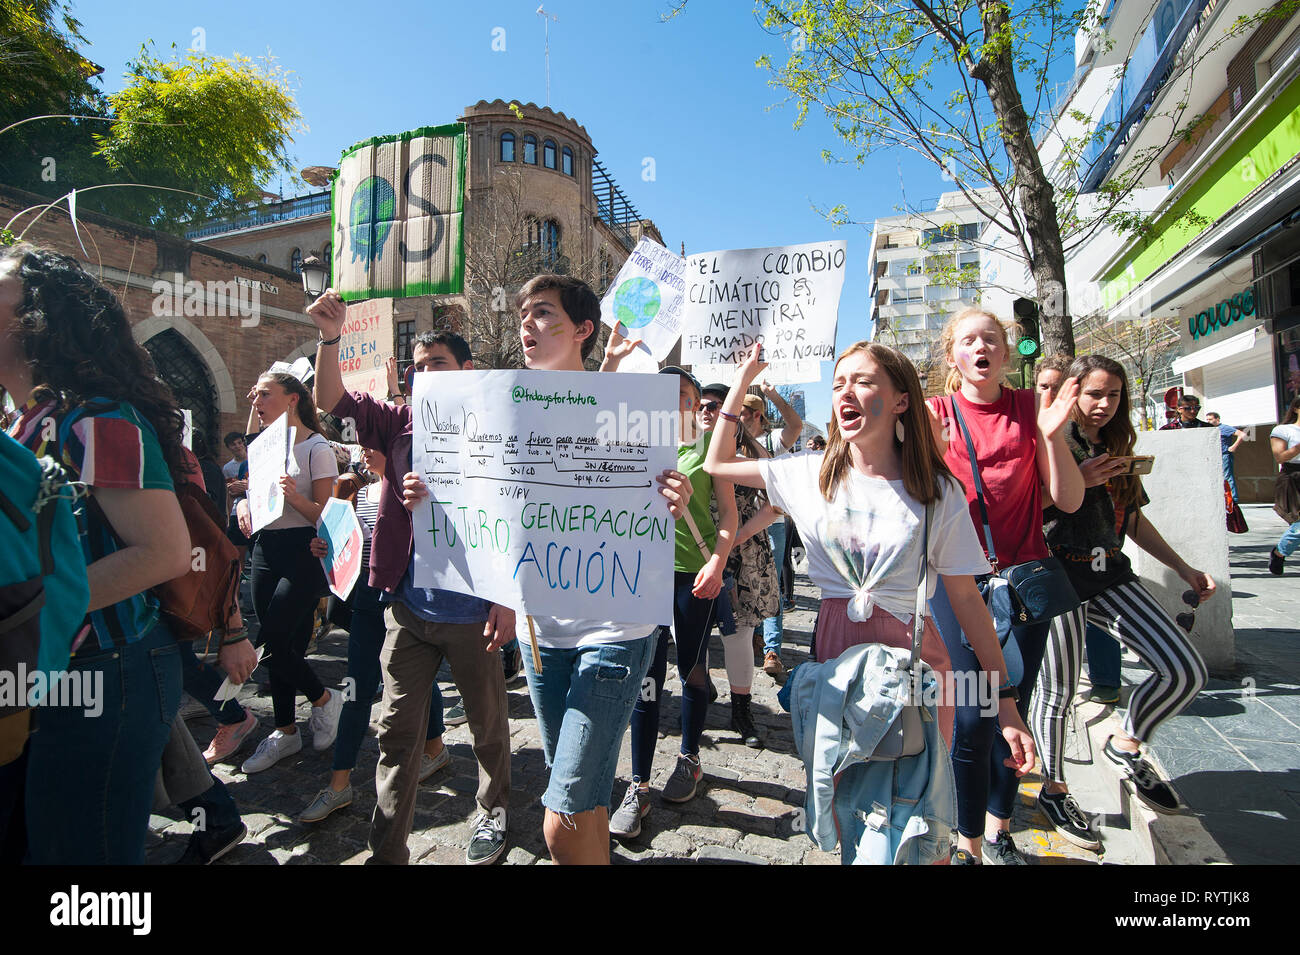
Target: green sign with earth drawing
[{"x": 397, "y": 206}]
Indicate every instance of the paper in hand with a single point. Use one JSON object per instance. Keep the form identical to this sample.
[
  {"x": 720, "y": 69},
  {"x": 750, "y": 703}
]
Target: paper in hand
[{"x": 228, "y": 690}]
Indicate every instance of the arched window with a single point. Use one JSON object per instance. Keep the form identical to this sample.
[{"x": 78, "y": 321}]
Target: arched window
[
  {"x": 548, "y": 154},
  {"x": 507, "y": 147},
  {"x": 180, "y": 366},
  {"x": 566, "y": 163},
  {"x": 295, "y": 261},
  {"x": 262, "y": 258},
  {"x": 530, "y": 149}
]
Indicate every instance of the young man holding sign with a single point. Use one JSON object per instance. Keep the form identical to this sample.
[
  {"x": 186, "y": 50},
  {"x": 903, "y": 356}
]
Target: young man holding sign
[
  {"x": 424, "y": 625},
  {"x": 592, "y": 670}
]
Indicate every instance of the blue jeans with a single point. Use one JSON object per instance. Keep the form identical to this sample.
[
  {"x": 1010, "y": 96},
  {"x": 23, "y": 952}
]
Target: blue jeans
[
  {"x": 583, "y": 699},
  {"x": 365, "y": 640},
  {"x": 1290, "y": 540},
  {"x": 1103, "y": 657},
  {"x": 90, "y": 779},
  {"x": 1228, "y": 475},
  {"x": 773, "y": 627},
  {"x": 984, "y": 783},
  {"x": 202, "y": 682}
]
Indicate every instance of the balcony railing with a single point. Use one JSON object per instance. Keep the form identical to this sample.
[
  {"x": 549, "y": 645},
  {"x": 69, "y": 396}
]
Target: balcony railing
[
  {"x": 1148, "y": 69},
  {"x": 295, "y": 208}
]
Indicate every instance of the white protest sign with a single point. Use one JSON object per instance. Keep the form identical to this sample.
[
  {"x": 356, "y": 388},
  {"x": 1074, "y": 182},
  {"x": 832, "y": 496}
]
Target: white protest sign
[
  {"x": 300, "y": 369},
  {"x": 339, "y": 526},
  {"x": 646, "y": 298},
  {"x": 366, "y": 346},
  {"x": 268, "y": 461},
  {"x": 787, "y": 373},
  {"x": 785, "y": 299},
  {"x": 542, "y": 490}
]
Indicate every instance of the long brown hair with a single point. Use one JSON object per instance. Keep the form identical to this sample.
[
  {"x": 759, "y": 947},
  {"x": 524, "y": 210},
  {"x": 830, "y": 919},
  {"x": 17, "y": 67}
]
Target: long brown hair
[
  {"x": 1293, "y": 412},
  {"x": 306, "y": 407},
  {"x": 947, "y": 338},
  {"x": 1117, "y": 435},
  {"x": 923, "y": 466}
]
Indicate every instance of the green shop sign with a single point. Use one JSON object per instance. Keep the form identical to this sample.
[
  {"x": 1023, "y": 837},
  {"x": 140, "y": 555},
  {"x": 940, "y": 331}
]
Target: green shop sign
[{"x": 1222, "y": 315}]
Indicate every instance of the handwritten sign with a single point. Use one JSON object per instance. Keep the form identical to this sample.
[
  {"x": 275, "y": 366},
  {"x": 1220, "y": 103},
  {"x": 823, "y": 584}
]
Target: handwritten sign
[
  {"x": 785, "y": 299},
  {"x": 786, "y": 373},
  {"x": 339, "y": 526},
  {"x": 366, "y": 344},
  {"x": 268, "y": 461},
  {"x": 646, "y": 298},
  {"x": 542, "y": 490},
  {"x": 396, "y": 207}
]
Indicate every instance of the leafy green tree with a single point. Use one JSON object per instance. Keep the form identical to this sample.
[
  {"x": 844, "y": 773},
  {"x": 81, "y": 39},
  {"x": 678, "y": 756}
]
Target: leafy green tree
[{"x": 199, "y": 133}]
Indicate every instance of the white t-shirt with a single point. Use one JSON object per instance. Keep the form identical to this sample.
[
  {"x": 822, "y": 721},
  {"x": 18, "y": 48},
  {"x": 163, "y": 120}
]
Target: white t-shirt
[
  {"x": 230, "y": 471},
  {"x": 565, "y": 634},
  {"x": 315, "y": 460},
  {"x": 1290, "y": 433},
  {"x": 866, "y": 544}
]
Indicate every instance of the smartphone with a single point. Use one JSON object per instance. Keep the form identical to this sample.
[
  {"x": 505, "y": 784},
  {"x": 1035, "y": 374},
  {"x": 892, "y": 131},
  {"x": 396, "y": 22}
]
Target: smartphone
[{"x": 1140, "y": 464}]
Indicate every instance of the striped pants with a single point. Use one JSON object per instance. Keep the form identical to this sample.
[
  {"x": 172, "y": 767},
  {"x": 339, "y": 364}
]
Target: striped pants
[{"x": 1131, "y": 615}]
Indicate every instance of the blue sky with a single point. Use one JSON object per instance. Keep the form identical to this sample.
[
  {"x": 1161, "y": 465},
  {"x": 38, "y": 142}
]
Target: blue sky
[{"x": 730, "y": 171}]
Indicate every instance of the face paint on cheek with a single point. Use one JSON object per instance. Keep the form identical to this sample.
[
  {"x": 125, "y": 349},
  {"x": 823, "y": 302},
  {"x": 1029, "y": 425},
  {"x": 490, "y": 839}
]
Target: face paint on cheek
[
  {"x": 877, "y": 406},
  {"x": 557, "y": 330}
]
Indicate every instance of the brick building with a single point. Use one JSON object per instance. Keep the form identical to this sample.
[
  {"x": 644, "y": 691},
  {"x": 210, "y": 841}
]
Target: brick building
[
  {"x": 571, "y": 215},
  {"x": 212, "y": 320}
]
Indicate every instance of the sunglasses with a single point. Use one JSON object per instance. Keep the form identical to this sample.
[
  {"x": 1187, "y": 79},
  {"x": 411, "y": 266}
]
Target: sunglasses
[
  {"x": 1188, "y": 617},
  {"x": 710, "y": 406}
]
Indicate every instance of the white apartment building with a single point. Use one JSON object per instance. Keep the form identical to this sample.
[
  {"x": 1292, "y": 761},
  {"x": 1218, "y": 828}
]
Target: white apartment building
[{"x": 911, "y": 257}]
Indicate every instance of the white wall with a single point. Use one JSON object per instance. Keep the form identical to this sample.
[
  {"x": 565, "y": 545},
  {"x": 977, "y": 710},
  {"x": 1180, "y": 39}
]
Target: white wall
[{"x": 1187, "y": 508}]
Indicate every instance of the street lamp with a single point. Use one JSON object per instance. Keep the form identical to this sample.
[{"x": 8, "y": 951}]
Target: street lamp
[{"x": 314, "y": 276}]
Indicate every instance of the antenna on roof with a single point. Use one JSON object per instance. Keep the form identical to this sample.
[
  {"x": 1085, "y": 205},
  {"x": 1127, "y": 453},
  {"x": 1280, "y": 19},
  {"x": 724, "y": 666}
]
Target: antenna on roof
[{"x": 547, "y": 18}]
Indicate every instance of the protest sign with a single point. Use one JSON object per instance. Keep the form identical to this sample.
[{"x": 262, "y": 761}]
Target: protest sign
[
  {"x": 397, "y": 209},
  {"x": 300, "y": 369},
  {"x": 785, "y": 299},
  {"x": 365, "y": 346},
  {"x": 646, "y": 298},
  {"x": 542, "y": 491},
  {"x": 339, "y": 526},
  {"x": 268, "y": 461},
  {"x": 786, "y": 373}
]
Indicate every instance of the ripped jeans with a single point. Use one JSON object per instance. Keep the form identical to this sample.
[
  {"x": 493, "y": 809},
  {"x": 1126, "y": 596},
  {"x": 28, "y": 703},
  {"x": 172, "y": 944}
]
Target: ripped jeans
[{"x": 583, "y": 701}]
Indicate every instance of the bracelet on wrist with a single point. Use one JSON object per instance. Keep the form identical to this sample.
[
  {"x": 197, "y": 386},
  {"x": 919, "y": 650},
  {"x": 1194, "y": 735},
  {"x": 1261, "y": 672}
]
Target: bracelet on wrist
[
  {"x": 234, "y": 636},
  {"x": 331, "y": 341},
  {"x": 730, "y": 417}
]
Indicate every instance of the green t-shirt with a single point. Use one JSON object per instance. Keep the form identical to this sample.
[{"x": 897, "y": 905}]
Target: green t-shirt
[{"x": 690, "y": 461}]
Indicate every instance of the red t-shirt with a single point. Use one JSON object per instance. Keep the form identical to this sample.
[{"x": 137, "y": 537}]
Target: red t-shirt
[{"x": 1005, "y": 434}]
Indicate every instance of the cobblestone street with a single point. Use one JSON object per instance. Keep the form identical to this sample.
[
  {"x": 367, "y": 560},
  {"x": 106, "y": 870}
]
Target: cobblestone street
[{"x": 748, "y": 809}]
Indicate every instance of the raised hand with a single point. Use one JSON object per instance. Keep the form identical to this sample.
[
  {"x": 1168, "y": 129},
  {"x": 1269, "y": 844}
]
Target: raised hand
[
  {"x": 617, "y": 349},
  {"x": 390, "y": 367},
  {"x": 328, "y": 314},
  {"x": 751, "y": 368},
  {"x": 677, "y": 489},
  {"x": 1052, "y": 415}
]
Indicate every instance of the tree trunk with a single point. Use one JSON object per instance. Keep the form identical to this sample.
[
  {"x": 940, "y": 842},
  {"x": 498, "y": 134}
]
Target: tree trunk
[{"x": 995, "y": 69}]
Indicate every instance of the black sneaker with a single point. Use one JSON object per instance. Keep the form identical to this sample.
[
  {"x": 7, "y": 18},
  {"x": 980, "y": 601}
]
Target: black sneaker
[
  {"x": 1068, "y": 819},
  {"x": 207, "y": 847},
  {"x": 962, "y": 857},
  {"x": 1275, "y": 562},
  {"x": 1002, "y": 852},
  {"x": 489, "y": 839},
  {"x": 512, "y": 665},
  {"x": 455, "y": 715},
  {"x": 742, "y": 723},
  {"x": 1147, "y": 786},
  {"x": 1105, "y": 695}
]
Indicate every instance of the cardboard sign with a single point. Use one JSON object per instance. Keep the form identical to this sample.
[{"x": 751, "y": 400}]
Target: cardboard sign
[
  {"x": 365, "y": 347},
  {"x": 397, "y": 211},
  {"x": 785, "y": 299},
  {"x": 646, "y": 298},
  {"x": 341, "y": 529},
  {"x": 542, "y": 490},
  {"x": 268, "y": 461}
]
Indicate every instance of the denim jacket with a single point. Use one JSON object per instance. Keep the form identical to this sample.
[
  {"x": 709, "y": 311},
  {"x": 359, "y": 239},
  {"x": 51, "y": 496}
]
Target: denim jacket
[{"x": 881, "y": 812}]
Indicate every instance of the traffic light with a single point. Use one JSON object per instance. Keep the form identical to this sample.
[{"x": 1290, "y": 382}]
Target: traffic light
[{"x": 1030, "y": 345}]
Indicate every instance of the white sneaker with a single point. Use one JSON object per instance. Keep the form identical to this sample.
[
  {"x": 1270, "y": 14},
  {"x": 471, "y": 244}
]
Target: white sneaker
[
  {"x": 271, "y": 750},
  {"x": 324, "y": 722}
]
